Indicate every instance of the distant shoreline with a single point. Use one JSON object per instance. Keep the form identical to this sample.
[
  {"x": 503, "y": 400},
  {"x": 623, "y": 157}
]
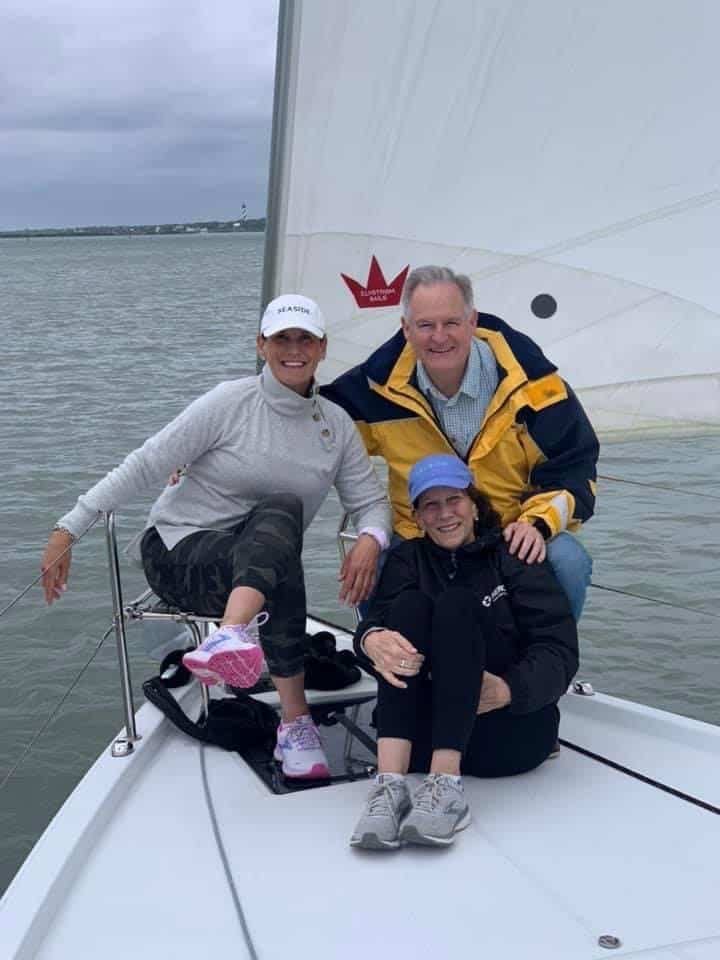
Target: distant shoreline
[{"x": 141, "y": 230}]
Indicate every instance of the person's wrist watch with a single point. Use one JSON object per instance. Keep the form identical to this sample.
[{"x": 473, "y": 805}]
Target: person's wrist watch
[
  {"x": 59, "y": 527},
  {"x": 365, "y": 636}
]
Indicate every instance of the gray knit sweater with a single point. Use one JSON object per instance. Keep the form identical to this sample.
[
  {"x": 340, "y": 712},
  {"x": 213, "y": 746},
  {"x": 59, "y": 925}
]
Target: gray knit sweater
[{"x": 243, "y": 440}]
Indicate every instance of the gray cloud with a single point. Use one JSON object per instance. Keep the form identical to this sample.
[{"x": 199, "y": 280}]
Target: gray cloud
[{"x": 143, "y": 112}]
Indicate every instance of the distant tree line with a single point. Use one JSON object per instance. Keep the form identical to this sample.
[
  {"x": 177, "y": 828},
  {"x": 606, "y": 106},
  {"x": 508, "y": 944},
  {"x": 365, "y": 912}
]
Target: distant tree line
[{"x": 240, "y": 225}]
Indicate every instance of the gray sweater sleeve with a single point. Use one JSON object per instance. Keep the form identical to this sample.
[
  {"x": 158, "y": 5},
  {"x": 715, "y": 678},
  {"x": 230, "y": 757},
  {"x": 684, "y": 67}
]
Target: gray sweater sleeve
[
  {"x": 182, "y": 441},
  {"x": 361, "y": 493}
]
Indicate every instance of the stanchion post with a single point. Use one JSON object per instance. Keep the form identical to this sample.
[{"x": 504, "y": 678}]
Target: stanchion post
[{"x": 123, "y": 746}]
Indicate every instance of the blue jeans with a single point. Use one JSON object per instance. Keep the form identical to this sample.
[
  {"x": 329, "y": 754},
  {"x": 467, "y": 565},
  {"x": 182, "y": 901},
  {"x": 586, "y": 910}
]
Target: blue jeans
[{"x": 572, "y": 565}]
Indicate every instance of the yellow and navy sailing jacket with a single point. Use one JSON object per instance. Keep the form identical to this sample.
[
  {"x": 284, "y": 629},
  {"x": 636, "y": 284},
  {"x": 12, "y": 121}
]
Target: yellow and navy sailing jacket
[{"x": 535, "y": 452}]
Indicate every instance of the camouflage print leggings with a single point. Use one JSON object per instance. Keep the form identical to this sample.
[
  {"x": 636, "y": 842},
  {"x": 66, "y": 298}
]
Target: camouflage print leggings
[{"x": 262, "y": 551}]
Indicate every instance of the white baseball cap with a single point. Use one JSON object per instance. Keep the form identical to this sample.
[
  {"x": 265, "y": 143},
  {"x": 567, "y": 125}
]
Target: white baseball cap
[{"x": 292, "y": 311}]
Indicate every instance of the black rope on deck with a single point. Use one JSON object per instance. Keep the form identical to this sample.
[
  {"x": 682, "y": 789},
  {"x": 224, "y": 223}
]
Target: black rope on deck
[
  {"x": 224, "y": 858},
  {"x": 696, "y": 801}
]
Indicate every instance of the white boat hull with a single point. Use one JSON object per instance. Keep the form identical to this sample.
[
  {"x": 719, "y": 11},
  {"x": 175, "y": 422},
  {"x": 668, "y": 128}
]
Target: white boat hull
[{"x": 553, "y": 860}]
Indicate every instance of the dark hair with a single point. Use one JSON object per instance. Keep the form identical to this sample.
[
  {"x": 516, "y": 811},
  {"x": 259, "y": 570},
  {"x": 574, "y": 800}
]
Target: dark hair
[{"x": 488, "y": 518}]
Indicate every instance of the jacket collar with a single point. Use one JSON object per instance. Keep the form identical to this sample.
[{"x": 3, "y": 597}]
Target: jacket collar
[
  {"x": 486, "y": 541},
  {"x": 282, "y": 399}
]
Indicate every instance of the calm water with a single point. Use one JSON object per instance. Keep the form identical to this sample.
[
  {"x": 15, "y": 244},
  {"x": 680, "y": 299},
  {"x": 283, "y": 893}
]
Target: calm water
[{"x": 104, "y": 341}]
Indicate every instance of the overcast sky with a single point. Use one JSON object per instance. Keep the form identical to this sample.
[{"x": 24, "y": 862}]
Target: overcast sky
[{"x": 134, "y": 111}]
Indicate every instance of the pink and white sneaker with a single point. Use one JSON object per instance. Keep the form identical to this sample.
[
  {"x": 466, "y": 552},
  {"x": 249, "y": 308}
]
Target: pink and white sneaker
[
  {"x": 300, "y": 750},
  {"x": 231, "y": 655}
]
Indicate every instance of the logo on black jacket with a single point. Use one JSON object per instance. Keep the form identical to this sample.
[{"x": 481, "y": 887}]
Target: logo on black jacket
[{"x": 493, "y": 597}]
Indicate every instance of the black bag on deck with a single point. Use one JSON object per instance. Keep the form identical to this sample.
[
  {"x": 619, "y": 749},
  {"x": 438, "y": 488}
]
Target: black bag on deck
[
  {"x": 240, "y": 722},
  {"x": 326, "y": 667},
  {"x": 234, "y": 723}
]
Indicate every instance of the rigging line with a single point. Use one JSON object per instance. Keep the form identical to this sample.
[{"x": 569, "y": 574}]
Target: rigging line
[
  {"x": 56, "y": 709},
  {"x": 42, "y": 572},
  {"x": 603, "y": 232},
  {"x": 664, "y": 603},
  {"x": 224, "y": 858},
  {"x": 658, "y": 486}
]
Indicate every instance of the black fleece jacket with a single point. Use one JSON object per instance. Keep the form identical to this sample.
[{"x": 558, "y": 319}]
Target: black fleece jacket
[{"x": 530, "y": 633}]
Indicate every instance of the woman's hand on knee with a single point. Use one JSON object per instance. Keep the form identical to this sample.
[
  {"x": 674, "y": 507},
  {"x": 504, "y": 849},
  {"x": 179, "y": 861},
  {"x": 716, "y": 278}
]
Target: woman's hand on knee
[
  {"x": 393, "y": 656},
  {"x": 494, "y": 693}
]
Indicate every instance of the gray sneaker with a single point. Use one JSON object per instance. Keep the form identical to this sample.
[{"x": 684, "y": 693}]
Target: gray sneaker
[
  {"x": 439, "y": 810},
  {"x": 387, "y": 804}
]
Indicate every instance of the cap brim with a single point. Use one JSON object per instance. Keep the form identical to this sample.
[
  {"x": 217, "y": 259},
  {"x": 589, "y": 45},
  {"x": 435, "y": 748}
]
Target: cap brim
[
  {"x": 277, "y": 326},
  {"x": 424, "y": 487}
]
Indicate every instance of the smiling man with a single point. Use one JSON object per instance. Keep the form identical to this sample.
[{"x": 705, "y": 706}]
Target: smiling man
[{"x": 455, "y": 381}]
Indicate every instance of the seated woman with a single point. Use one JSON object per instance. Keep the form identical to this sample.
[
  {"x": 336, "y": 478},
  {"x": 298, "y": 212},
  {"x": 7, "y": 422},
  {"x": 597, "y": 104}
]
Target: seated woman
[
  {"x": 261, "y": 454},
  {"x": 472, "y": 649}
]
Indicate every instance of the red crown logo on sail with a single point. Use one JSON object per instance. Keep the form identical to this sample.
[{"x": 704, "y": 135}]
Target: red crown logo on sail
[{"x": 378, "y": 292}]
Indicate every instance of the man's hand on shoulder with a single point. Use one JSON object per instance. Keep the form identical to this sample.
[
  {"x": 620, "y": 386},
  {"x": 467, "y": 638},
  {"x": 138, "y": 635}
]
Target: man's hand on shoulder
[
  {"x": 358, "y": 571},
  {"x": 525, "y": 540}
]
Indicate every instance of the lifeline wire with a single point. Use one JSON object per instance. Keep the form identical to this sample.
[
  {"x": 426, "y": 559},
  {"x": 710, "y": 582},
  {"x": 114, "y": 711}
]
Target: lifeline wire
[
  {"x": 664, "y": 603},
  {"x": 42, "y": 572},
  {"x": 639, "y": 596},
  {"x": 658, "y": 486},
  {"x": 56, "y": 709}
]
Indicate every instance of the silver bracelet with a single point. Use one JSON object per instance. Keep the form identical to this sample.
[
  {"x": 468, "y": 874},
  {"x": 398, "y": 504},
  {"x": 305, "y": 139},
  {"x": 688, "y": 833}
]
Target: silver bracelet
[
  {"x": 59, "y": 526},
  {"x": 364, "y": 637}
]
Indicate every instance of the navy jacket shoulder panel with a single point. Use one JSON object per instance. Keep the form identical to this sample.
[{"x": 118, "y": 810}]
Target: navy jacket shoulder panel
[
  {"x": 562, "y": 426},
  {"x": 526, "y": 351},
  {"x": 352, "y": 392},
  {"x": 570, "y": 447},
  {"x": 379, "y": 365}
]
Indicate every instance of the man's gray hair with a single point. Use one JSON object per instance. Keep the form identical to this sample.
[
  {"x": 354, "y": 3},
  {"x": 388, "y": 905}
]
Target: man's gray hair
[{"x": 428, "y": 277}]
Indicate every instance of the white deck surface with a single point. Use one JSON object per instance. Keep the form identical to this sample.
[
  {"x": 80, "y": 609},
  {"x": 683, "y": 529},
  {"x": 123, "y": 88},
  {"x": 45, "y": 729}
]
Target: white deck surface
[{"x": 552, "y": 860}]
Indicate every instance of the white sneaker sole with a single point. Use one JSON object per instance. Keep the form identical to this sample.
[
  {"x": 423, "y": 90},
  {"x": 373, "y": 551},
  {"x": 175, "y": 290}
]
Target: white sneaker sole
[
  {"x": 371, "y": 841},
  {"x": 411, "y": 834},
  {"x": 318, "y": 771},
  {"x": 237, "y": 668}
]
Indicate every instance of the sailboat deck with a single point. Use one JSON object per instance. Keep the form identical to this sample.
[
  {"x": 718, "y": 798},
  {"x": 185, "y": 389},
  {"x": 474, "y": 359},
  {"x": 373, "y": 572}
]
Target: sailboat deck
[{"x": 586, "y": 850}]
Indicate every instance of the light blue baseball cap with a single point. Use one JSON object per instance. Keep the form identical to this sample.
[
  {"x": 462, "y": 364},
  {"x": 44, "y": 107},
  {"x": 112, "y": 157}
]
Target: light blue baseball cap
[{"x": 438, "y": 470}]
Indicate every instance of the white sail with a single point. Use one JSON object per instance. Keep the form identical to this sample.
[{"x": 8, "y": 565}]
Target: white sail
[{"x": 559, "y": 149}]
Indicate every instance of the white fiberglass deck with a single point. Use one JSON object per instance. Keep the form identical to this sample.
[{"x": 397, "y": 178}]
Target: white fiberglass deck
[{"x": 552, "y": 861}]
